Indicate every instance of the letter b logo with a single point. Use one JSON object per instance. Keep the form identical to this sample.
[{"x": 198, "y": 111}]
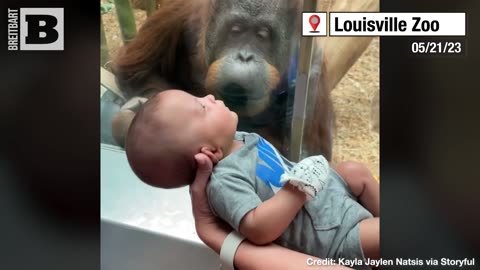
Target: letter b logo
[{"x": 41, "y": 29}]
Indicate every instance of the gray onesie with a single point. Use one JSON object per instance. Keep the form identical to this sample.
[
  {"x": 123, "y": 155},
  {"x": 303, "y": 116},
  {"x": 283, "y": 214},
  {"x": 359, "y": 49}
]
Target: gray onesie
[{"x": 326, "y": 226}]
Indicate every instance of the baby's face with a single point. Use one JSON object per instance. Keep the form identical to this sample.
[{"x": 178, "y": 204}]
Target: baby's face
[{"x": 206, "y": 119}]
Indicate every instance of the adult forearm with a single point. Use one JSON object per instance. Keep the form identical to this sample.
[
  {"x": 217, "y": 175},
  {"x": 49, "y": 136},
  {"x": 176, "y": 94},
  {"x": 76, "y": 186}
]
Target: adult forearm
[
  {"x": 252, "y": 257},
  {"x": 213, "y": 235}
]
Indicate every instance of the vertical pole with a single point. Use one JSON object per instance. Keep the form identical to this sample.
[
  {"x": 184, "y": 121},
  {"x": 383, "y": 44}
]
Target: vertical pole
[
  {"x": 126, "y": 19},
  {"x": 150, "y": 6},
  {"x": 104, "y": 55},
  {"x": 301, "y": 89}
]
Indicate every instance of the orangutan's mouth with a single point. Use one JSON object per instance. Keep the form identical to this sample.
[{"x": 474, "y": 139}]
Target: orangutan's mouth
[{"x": 234, "y": 95}]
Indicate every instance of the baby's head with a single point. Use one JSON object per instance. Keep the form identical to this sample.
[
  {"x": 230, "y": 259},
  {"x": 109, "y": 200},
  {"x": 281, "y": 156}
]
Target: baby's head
[{"x": 170, "y": 129}]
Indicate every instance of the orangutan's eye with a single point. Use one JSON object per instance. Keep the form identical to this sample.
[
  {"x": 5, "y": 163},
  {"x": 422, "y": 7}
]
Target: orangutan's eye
[
  {"x": 236, "y": 28},
  {"x": 263, "y": 32}
]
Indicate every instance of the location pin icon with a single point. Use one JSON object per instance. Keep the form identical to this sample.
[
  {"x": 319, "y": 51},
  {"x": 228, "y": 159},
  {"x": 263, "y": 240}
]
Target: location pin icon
[{"x": 314, "y": 21}]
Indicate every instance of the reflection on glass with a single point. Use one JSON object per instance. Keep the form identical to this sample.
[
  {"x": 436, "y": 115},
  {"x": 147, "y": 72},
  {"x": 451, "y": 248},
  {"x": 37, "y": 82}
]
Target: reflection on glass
[
  {"x": 255, "y": 74},
  {"x": 251, "y": 51}
]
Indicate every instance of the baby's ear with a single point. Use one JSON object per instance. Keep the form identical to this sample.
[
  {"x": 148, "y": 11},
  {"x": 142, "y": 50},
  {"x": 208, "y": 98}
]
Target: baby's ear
[{"x": 215, "y": 154}]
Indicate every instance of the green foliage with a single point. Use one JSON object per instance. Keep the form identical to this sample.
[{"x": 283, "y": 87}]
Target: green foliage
[
  {"x": 106, "y": 7},
  {"x": 126, "y": 19}
]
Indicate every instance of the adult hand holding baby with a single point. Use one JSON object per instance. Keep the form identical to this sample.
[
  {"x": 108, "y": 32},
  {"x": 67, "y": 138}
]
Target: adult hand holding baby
[
  {"x": 200, "y": 206},
  {"x": 211, "y": 230}
]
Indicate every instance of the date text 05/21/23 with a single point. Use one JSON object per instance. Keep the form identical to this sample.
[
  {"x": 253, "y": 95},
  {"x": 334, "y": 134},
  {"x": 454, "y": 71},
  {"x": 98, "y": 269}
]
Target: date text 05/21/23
[{"x": 437, "y": 47}]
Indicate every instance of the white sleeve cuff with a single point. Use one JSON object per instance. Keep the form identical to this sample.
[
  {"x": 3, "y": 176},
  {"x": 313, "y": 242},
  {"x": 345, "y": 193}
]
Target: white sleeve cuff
[{"x": 228, "y": 250}]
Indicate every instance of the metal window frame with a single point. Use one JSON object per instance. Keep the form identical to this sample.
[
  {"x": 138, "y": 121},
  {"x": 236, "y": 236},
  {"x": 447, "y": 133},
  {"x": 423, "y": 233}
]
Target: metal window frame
[{"x": 302, "y": 89}]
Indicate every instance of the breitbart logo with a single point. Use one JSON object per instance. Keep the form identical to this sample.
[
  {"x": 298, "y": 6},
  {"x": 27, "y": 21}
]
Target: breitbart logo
[{"x": 35, "y": 29}]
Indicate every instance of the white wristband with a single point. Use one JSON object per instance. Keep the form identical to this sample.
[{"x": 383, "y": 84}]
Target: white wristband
[{"x": 229, "y": 247}]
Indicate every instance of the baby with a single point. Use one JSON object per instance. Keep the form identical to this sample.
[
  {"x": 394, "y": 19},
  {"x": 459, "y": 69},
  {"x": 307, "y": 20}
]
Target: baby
[{"x": 308, "y": 206}]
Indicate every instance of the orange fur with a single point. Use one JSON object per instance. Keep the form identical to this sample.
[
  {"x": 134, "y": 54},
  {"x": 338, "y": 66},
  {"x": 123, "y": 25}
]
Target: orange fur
[
  {"x": 213, "y": 70},
  {"x": 273, "y": 78},
  {"x": 156, "y": 42}
]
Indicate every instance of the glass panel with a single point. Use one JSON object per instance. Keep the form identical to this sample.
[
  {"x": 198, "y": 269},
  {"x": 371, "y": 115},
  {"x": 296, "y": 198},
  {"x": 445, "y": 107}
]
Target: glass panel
[
  {"x": 250, "y": 55},
  {"x": 292, "y": 99},
  {"x": 263, "y": 96}
]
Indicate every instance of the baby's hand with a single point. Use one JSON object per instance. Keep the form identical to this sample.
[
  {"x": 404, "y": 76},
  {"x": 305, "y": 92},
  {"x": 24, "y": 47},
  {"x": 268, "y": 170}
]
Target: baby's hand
[{"x": 310, "y": 175}]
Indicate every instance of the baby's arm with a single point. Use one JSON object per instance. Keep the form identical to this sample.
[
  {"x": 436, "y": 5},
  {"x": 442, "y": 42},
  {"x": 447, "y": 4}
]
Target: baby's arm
[{"x": 269, "y": 220}]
